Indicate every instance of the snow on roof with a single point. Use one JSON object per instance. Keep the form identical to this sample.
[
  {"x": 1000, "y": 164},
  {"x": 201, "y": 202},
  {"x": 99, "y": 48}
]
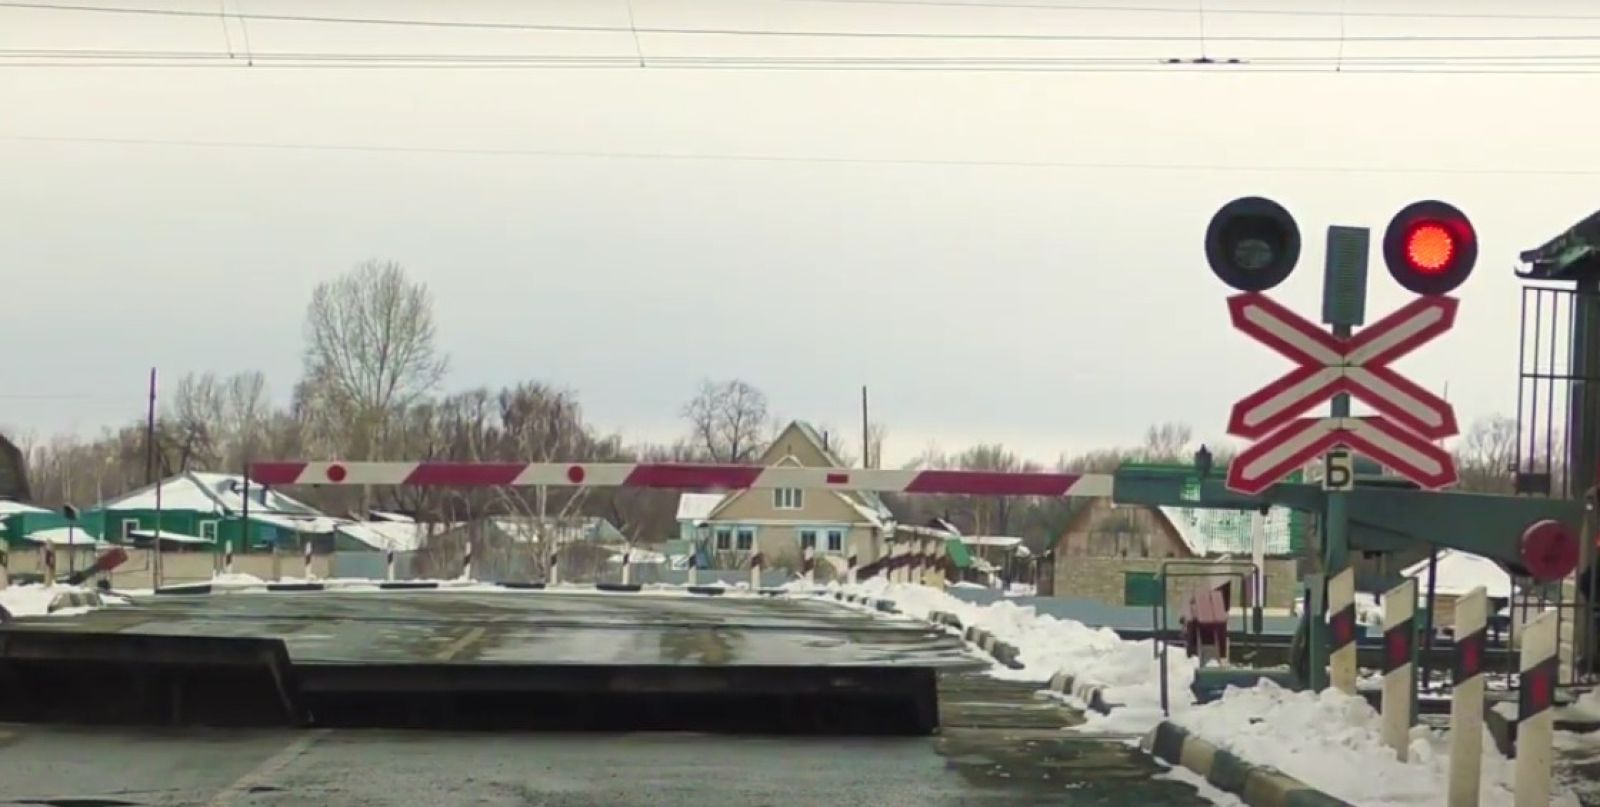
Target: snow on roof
[
  {"x": 1215, "y": 532},
  {"x": 1004, "y": 541},
  {"x": 1460, "y": 572},
  {"x": 209, "y": 492},
  {"x": 397, "y": 536},
  {"x": 873, "y": 515},
  {"x": 64, "y": 536},
  {"x": 11, "y": 508},
  {"x": 317, "y": 524},
  {"x": 168, "y": 536},
  {"x": 926, "y": 532},
  {"x": 697, "y": 506}
]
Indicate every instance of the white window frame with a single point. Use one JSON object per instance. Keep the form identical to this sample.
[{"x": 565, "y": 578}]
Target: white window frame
[
  {"x": 209, "y": 525},
  {"x": 739, "y": 541},
  {"x": 721, "y": 534},
  {"x": 835, "y": 533},
  {"x": 788, "y": 499},
  {"x": 802, "y": 533},
  {"x": 127, "y": 531}
]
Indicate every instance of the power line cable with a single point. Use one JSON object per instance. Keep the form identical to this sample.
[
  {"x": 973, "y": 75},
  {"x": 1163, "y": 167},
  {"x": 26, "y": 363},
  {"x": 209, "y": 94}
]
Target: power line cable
[
  {"x": 1180, "y": 10},
  {"x": 806, "y": 159},
  {"x": 798, "y": 33}
]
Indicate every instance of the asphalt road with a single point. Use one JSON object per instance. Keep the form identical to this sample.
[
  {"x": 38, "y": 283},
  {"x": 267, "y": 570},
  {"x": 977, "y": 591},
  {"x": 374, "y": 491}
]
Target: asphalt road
[
  {"x": 1000, "y": 742},
  {"x": 517, "y": 627}
]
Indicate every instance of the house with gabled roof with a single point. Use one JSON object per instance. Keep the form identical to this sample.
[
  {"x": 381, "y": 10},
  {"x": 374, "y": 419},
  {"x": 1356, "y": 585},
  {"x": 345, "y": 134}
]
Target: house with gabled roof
[
  {"x": 212, "y": 507},
  {"x": 781, "y": 523},
  {"x": 1115, "y": 554}
]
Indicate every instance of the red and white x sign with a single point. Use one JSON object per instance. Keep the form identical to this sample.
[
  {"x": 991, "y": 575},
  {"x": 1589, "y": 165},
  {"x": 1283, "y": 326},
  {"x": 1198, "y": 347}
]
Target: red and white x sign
[
  {"x": 1265, "y": 463},
  {"x": 1330, "y": 365}
]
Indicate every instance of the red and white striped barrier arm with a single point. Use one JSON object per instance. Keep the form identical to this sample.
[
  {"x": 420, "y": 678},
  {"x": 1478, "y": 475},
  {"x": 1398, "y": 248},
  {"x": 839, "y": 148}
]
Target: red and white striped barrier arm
[{"x": 678, "y": 476}]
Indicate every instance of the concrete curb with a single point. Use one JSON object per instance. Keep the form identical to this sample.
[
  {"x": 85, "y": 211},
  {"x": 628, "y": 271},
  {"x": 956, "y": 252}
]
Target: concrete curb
[
  {"x": 75, "y": 599},
  {"x": 1256, "y": 785},
  {"x": 1092, "y": 694},
  {"x": 1002, "y": 652}
]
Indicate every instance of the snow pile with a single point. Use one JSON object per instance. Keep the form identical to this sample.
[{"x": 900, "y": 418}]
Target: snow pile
[
  {"x": 1587, "y": 706},
  {"x": 34, "y": 600},
  {"x": 1334, "y": 742},
  {"x": 237, "y": 580},
  {"x": 1127, "y": 671}
]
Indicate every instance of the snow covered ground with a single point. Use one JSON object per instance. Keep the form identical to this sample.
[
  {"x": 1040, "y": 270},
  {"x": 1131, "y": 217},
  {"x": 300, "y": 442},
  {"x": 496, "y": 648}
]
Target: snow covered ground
[
  {"x": 1329, "y": 741},
  {"x": 34, "y": 600},
  {"x": 1334, "y": 742},
  {"x": 1128, "y": 671}
]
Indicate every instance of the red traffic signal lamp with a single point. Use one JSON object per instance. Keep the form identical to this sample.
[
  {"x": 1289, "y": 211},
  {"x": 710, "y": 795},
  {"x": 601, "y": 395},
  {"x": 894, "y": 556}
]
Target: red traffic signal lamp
[
  {"x": 1430, "y": 247},
  {"x": 1252, "y": 243}
]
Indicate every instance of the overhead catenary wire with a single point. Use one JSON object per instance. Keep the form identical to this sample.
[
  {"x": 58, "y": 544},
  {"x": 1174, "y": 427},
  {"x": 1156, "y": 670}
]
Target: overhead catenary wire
[
  {"x": 803, "y": 33},
  {"x": 1095, "y": 165},
  {"x": 1002, "y": 5}
]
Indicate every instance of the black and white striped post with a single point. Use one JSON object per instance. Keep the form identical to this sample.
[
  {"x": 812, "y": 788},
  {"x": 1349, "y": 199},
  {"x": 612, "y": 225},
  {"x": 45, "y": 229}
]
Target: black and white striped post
[
  {"x": 755, "y": 571},
  {"x": 227, "y": 556},
  {"x": 1535, "y": 720},
  {"x": 1466, "y": 699},
  {"x": 1342, "y": 631},
  {"x": 49, "y": 564},
  {"x": 388, "y": 565},
  {"x": 466, "y": 560},
  {"x": 694, "y": 565},
  {"x": 808, "y": 564},
  {"x": 555, "y": 569},
  {"x": 627, "y": 566},
  {"x": 849, "y": 574},
  {"x": 5, "y": 568},
  {"x": 308, "y": 559},
  {"x": 1399, "y": 635}
]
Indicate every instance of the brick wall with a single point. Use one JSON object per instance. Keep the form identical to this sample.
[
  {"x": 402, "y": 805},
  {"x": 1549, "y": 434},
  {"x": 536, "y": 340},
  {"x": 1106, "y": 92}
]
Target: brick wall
[{"x": 1103, "y": 579}]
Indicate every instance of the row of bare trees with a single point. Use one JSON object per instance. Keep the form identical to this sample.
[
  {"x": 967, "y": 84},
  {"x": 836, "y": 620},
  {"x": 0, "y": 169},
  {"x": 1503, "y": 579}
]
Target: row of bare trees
[{"x": 370, "y": 390}]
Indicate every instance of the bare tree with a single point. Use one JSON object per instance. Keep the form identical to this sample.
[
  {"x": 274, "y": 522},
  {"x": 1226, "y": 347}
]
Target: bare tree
[
  {"x": 370, "y": 353},
  {"x": 729, "y": 420},
  {"x": 1167, "y": 442},
  {"x": 1486, "y": 455}
]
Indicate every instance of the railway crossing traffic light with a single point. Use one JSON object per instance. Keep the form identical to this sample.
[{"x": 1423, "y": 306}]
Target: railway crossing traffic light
[{"x": 1430, "y": 247}]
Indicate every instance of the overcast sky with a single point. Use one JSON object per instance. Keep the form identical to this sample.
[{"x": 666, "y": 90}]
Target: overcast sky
[{"x": 1000, "y": 255}]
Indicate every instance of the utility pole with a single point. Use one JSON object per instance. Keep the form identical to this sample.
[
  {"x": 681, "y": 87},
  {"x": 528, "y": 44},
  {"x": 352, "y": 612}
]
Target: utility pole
[{"x": 866, "y": 432}]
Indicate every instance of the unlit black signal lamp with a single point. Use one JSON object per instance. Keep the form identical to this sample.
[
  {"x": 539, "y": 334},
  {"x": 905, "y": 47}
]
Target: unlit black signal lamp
[
  {"x": 1430, "y": 247},
  {"x": 1252, "y": 244}
]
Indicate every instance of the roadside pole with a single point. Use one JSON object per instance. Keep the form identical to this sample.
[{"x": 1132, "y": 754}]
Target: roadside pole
[
  {"x": 1466, "y": 701},
  {"x": 5, "y": 568},
  {"x": 388, "y": 565},
  {"x": 1258, "y": 560},
  {"x": 1399, "y": 633},
  {"x": 755, "y": 571},
  {"x": 850, "y": 571},
  {"x": 1535, "y": 719}
]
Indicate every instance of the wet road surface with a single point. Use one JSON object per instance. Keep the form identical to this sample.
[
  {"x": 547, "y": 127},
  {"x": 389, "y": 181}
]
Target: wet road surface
[
  {"x": 534, "y": 627},
  {"x": 1001, "y": 743}
]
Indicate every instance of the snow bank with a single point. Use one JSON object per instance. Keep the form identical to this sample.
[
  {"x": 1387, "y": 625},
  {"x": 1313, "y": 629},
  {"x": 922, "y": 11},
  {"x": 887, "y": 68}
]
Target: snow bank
[
  {"x": 34, "y": 600},
  {"x": 1334, "y": 742},
  {"x": 237, "y": 580},
  {"x": 1128, "y": 671}
]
